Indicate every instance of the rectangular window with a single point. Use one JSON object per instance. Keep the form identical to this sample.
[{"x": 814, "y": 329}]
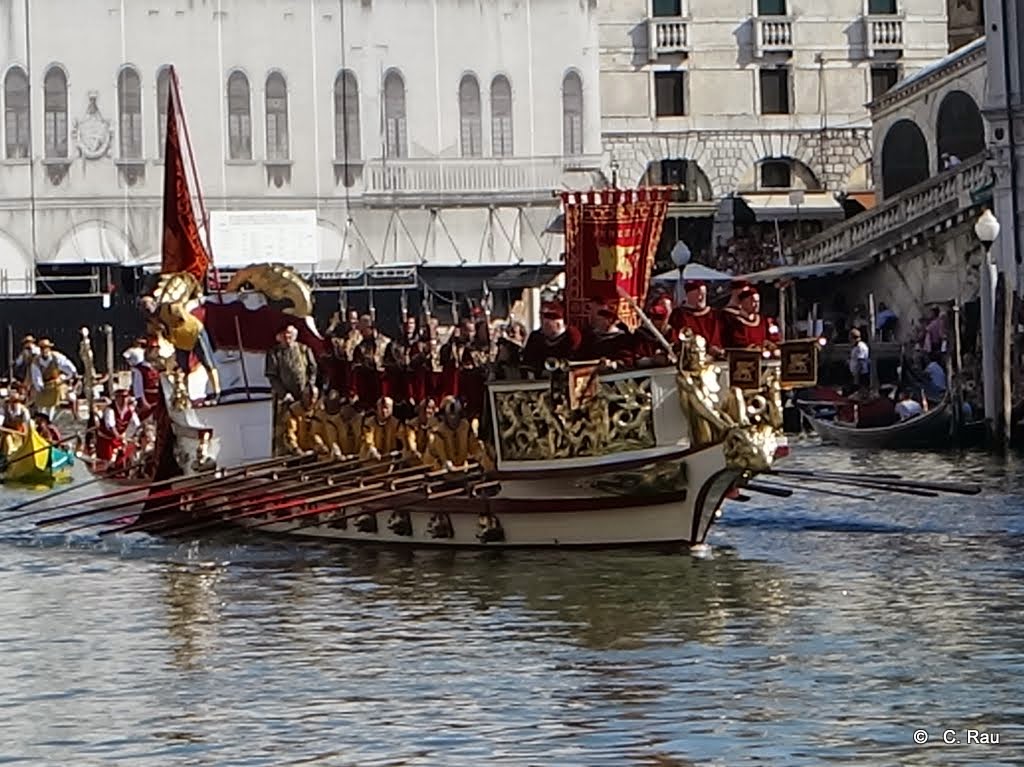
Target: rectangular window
[
  {"x": 775, "y": 91},
  {"x": 240, "y": 136},
  {"x": 776, "y": 175},
  {"x": 771, "y": 7},
  {"x": 669, "y": 98},
  {"x": 881, "y": 7},
  {"x": 882, "y": 80},
  {"x": 666, "y": 8}
]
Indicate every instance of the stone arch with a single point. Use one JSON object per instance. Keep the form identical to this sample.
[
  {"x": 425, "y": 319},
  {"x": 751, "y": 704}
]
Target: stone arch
[
  {"x": 684, "y": 172},
  {"x": 634, "y": 160},
  {"x": 17, "y": 269},
  {"x": 904, "y": 157},
  {"x": 93, "y": 242},
  {"x": 800, "y": 175},
  {"x": 959, "y": 127}
]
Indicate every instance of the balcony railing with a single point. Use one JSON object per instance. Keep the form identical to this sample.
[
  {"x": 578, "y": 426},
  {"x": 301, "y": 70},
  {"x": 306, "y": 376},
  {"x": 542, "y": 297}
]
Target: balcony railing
[
  {"x": 906, "y": 215},
  {"x": 883, "y": 33},
  {"x": 458, "y": 179},
  {"x": 667, "y": 35},
  {"x": 772, "y": 34}
]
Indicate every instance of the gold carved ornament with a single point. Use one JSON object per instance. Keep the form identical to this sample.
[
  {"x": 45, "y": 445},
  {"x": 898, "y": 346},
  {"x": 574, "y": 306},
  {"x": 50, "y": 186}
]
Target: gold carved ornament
[{"x": 278, "y": 283}]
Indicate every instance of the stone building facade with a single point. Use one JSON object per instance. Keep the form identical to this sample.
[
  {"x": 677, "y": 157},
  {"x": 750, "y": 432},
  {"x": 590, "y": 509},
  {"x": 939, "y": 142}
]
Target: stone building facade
[
  {"x": 424, "y": 132},
  {"x": 755, "y": 97}
]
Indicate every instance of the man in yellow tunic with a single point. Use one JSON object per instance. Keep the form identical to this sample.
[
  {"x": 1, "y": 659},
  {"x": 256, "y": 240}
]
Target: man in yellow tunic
[
  {"x": 323, "y": 432},
  {"x": 348, "y": 426},
  {"x": 420, "y": 433},
  {"x": 49, "y": 375},
  {"x": 455, "y": 442},
  {"x": 382, "y": 432},
  {"x": 297, "y": 430}
]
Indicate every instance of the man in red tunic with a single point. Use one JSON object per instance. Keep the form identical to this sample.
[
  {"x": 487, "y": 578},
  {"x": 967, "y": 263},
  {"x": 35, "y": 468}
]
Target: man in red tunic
[
  {"x": 145, "y": 381},
  {"x": 115, "y": 430},
  {"x": 553, "y": 341},
  {"x": 368, "y": 377},
  {"x": 746, "y": 328},
  {"x": 698, "y": 317}
]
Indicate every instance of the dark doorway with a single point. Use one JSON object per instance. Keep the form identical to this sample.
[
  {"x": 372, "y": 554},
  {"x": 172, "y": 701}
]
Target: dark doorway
[
  {"x": 904, "y": 158},
  {"x": 961, "y": 131}
]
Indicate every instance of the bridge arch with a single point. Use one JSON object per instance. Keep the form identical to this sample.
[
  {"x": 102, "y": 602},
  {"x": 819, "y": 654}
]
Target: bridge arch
[
  {"x": 960, "y": 129},
  {"x": 904, "y": 158}
]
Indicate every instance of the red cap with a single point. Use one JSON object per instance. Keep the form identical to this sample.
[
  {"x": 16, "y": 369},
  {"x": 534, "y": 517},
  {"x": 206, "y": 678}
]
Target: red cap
[
  {"x": 658, "y": 312},
  {"x": 748, "y": 291},
  {"x": 739, "y": 285},
  {"x": 552, "y": 310},
  {"x": 689, "y": 285}
]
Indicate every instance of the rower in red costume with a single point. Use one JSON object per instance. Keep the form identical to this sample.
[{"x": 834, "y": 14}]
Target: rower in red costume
[
  {"x": 746, "y": 328},
  {"x": 368, "y": 378},
  {"x": 554, "y": 340},
  {"x": 115, "y": 429},
  {"x": 697, "y": 316},
  {"x": 475, "y": 367},
  {"x": 145, "y": 381}
]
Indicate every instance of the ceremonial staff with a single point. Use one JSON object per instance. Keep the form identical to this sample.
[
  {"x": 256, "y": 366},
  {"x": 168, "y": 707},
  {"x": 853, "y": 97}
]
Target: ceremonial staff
[{"x": 88, "y": 371}]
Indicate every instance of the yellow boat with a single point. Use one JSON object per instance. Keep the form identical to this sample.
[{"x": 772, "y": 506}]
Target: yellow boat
[{"x": 36, "y": 462}]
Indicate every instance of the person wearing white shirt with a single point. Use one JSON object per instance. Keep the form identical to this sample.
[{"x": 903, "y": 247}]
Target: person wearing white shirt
[
  {"x": 908, "y": 407},
  {"x": 860, "y": 359},
  {"x": 49, "y": 374}
]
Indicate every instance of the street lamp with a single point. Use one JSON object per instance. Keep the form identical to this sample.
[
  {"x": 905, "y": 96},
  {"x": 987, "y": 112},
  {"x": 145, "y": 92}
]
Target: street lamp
[
  {"x": 986, "y": 228},
  {"x": 680, "y": 256}
]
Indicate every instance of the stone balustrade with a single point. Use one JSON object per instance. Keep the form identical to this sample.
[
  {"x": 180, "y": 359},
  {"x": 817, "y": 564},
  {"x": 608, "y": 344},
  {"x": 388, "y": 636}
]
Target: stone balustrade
[
  {"x": 464, "y": 179},
  {"x": 883, "y": 33},
  {"x": 908, "y": 214},
  {"x": 667, "y": 35},
  {"x": 773, "y": 33}
]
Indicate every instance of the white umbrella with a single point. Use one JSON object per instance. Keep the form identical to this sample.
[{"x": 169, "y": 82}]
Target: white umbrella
[{"x": 693, "y": 272}]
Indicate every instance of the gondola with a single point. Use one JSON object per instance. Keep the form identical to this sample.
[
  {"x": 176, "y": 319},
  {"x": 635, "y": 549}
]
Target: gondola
[{"x": 928, "y": 430}]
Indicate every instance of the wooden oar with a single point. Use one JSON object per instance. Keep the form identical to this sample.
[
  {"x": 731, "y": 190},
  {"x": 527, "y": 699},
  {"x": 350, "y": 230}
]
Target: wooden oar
[
  {"x": 176, "y": 498},
  {"x": 880, "y": 487},
  {"x": 198, "y": 478},
  {"x": 778, "y": 492},
  {"x": 958, "y": 488},
  {"x": 840, "y": 474},
  {"x": 257, "y": 509},
  {"x": 822, "y": 491}
]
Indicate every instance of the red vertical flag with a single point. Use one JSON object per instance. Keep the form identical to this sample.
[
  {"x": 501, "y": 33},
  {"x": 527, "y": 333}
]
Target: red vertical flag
[
  {"x": 182, "y": 248},
  {"x": 611, "y": 238}
]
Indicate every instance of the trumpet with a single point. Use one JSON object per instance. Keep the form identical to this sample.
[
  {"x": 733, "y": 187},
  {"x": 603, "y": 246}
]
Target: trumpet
[
  {"x": 553, "y": 365},
  {"x": 758, "y": 406}
]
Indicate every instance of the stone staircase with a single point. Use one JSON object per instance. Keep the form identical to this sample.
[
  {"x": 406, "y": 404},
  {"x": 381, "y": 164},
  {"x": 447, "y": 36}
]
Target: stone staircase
[{"x": 902, "y": 221}]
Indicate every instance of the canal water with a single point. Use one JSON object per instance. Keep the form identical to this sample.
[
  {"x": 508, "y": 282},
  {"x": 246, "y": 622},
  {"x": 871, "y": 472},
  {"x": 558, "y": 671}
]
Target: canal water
[{"x": 819, "y": 631}]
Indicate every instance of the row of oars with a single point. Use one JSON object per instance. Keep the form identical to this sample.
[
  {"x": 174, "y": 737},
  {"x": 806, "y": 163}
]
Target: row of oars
[
  {"x": 880, "y": 483},
  {"x": 293, "y": 489}
]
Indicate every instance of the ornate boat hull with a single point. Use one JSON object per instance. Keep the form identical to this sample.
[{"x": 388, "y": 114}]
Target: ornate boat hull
[{"x": 615, "y": 507}]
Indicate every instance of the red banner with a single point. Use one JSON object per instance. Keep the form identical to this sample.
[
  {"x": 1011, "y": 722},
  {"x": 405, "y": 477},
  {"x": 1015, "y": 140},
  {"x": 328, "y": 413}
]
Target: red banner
[
  {"x": 611, "y": 237},
  {"x": 182, "y": 249}
]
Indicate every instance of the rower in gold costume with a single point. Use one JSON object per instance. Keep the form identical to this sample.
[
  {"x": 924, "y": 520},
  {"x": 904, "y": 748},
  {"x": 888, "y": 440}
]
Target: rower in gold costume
[
  {"x": 455, "y": 443},
  {"x": 420, "y": 433},
  {"x": 382, "y": 432}
]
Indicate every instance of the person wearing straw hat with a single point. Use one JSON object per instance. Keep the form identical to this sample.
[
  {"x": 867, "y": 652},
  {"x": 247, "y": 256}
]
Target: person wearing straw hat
[
  {"x": 49, "y": 375},
  {"x": 14, "y": 418},
  {"x": 29, "y": 350}
]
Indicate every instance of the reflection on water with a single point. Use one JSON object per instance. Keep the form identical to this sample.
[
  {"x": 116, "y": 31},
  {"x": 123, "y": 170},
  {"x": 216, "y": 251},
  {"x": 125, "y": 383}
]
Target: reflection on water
[{"x": 821, "y": 631}]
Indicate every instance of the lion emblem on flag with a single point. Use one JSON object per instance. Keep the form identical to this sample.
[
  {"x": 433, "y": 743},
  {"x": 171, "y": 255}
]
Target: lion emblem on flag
[{"x": 613, "y": 261}]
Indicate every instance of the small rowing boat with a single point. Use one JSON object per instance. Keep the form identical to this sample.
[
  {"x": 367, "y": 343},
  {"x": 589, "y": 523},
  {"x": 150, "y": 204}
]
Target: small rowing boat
[{"x": 35, "y": 462}]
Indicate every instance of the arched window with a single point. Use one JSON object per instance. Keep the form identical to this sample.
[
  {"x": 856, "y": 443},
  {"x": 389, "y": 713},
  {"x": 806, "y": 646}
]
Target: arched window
[
  {"x": 904, "y": 158},
  {"x": 346, "y": 117},
  {"x": 501, "y": 117},
  {"x": 239, "y": 118},
  {"x": 572, "y": 115},
  {"x": 55, "y": 113},
  {"x": 129, "y": 111},
  {"x": 277, "y": 117},
  {"x": 16, "y": 130},
  {"x": 396, "y": 141},
  {"x": 163, "y": 85},
  {"x": 960, "y": 132},
  {"x": 470, "y": 120}
]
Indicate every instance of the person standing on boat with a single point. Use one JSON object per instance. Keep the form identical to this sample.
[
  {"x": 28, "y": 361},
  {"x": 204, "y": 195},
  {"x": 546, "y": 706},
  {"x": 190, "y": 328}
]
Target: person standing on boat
[
  {"x": 935, "y": 384},
  {"x": 49, "y": 376},
  {"x": 552, "y": 341},
  {"x": 697, "y": 316},
  {"x": 475, "y": 366},
  {"x": 290, "y": 366},
  {"x": 401, "y": 359},
  {"x": 860, "y": 360},
  {"x": 368, "y": 375},
  {"x": 746, "y": 328},
  {"x": 115, "y": 429},
  {"x": 145, "y": 381},
  {"x": 606, "y": 341},
  {"x": 29, "y": 350}
]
